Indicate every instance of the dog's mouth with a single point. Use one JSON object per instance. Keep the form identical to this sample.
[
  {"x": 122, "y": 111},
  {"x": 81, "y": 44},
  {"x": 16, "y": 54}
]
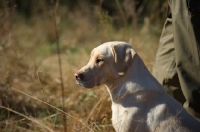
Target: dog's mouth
[{"x": 86, "y": 84}]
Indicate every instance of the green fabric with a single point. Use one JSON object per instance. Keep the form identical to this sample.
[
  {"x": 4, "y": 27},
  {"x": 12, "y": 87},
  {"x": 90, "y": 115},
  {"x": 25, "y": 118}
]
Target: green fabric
[{"x": 177, "y": 62}]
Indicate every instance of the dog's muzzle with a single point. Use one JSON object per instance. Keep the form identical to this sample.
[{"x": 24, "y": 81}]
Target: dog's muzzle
[{"x": 80, "y": 80}]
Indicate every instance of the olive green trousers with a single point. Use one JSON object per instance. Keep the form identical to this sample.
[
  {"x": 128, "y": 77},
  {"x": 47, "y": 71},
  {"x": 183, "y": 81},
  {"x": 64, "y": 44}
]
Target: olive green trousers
[{"x": 177, "y": 62}]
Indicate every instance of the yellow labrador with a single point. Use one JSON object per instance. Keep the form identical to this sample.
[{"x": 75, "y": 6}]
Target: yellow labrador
[{"x": 139, "y": 102}]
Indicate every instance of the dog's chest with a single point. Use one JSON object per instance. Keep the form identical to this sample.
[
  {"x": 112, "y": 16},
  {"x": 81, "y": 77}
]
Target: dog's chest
[{"x": 124, "y": 119}]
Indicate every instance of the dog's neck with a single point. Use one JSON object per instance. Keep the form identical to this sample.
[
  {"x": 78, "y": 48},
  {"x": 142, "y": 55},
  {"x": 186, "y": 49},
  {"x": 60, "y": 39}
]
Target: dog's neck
[{"x": 134, "y": 82}]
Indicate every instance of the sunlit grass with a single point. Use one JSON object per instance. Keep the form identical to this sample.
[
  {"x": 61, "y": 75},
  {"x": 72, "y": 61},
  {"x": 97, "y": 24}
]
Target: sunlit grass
[{"x": 28, "y": 62}]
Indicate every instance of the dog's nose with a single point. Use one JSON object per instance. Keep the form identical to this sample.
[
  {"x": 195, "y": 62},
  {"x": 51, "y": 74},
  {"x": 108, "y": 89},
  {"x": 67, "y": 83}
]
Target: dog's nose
[{"x": 78, "y": 76}]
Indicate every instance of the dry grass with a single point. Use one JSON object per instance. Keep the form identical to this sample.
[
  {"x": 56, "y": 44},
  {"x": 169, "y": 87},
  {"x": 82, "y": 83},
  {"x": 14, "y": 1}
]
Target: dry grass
[{"x": 30, "y": 93}]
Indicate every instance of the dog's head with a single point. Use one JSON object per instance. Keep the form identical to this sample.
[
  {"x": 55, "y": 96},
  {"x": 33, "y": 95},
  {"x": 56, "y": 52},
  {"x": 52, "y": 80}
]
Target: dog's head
[{"x": 108, "y": 62}]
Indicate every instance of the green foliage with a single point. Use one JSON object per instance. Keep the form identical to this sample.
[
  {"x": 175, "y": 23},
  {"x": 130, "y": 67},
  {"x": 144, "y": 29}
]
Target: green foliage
[{"x": 118, "y": 9}]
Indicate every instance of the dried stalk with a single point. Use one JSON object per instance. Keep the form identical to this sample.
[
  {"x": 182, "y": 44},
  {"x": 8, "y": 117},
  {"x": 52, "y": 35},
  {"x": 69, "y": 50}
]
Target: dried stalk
[{"x": 53, "y": 11}]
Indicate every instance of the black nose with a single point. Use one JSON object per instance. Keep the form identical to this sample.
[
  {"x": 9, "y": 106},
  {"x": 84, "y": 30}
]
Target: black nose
[{"x": 78, "y": 76}]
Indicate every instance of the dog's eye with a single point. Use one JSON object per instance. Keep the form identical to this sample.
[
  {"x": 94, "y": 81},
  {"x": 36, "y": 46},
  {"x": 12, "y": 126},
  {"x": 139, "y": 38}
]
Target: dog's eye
[{"x": 99, "y": 60}]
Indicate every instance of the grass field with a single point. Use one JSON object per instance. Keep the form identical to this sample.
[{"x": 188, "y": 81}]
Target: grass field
[{"x": 30, "y": 85}]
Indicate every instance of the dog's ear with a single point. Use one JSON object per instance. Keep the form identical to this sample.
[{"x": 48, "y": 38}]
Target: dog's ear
[{"x": 123, "y": 56}]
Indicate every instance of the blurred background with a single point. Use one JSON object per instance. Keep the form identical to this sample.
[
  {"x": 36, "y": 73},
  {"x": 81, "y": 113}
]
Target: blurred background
[{"x": 31, "y": 96}]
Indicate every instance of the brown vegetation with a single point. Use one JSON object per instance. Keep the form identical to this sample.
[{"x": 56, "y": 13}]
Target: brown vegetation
[{"x": 30, "y": 91}]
